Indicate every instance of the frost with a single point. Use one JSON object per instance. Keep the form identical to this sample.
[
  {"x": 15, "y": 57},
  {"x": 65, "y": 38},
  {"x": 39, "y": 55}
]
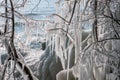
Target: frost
[{"x": 81, "y": 39}]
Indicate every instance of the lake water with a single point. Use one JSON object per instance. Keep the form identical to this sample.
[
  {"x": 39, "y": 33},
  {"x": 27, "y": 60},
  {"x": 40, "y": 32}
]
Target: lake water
[{"x": 39, "y": 9}]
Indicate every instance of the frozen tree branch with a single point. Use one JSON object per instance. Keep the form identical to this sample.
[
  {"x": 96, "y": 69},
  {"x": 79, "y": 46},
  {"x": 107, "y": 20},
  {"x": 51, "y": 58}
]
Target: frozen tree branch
[
  {"x": 73, "y": 10},
  {"x": 70, "y": 37},
  {"x": 6, "y": 15},
  {"x": 112, "y": 18}
]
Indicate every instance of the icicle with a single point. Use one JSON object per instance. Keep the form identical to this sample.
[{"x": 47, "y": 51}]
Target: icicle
[
  {"x": 77, "y": 33},
  {"x": 59, "y": 51},
  {"x": 49, "y": 38},
  {"x": 37, "y": 32},
  {"x": 53, "y": 42},
  {"x": 68, "y": 59}
]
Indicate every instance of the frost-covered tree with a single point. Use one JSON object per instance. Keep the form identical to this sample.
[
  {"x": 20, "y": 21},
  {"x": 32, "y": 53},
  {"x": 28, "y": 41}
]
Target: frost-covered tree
[
  {"x": 96, "y": 60},
  {"x": 14, "y": 61},
  {"x": 81, "y": 41}
]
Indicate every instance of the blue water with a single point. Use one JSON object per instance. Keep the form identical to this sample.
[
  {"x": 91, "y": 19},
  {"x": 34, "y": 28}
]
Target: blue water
[{"x": 39, "y": 9}]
